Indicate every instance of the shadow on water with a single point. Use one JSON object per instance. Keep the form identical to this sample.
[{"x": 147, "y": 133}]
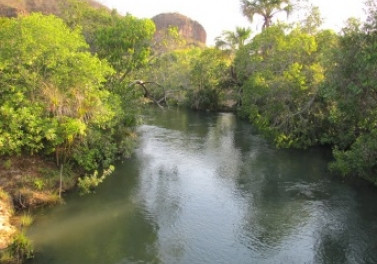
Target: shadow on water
[
  {"x": 106, "y": 227},
  {"x": 206, "y": 188}
]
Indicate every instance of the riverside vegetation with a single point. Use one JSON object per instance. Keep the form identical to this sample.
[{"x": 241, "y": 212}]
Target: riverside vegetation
[{"x": 69, "y": 101}]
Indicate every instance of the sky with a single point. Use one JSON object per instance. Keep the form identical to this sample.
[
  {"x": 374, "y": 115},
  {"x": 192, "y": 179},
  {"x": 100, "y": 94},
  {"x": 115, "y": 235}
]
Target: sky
[{"x": 219, "y": 15}]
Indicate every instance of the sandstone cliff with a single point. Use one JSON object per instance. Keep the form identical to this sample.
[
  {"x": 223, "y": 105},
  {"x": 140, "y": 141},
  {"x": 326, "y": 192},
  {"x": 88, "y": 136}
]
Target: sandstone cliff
[{"x": 190, "y": 30}]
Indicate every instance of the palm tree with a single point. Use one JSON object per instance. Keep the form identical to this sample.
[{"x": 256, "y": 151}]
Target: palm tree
[
  {"x": 242, "y": 34},
  {"x": 265, "y": 8},
  {"x": 233, "y": 39},
  {"x": 220, "y": 43}
]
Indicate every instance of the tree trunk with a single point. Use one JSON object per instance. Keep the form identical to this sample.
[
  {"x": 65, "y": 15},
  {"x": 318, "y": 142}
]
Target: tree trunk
[{"x": 61, "y": 181}]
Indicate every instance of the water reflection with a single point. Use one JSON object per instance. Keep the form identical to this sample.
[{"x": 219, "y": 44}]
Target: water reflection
[{"x": 205, "y": 188}]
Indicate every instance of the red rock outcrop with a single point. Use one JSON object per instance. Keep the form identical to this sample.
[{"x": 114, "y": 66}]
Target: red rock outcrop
[{"x": 190, "y": 30}]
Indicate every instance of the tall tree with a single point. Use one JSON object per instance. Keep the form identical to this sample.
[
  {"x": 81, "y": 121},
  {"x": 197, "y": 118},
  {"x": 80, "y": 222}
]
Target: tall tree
[
  {"x": 233, "y": 39},
  {"x": 125, "y": 44},
  {"x": 265, "y": 8}
]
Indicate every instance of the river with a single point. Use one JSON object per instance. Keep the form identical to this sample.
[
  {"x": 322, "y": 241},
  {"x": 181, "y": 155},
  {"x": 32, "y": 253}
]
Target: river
[{"x": 206, "y": 188}]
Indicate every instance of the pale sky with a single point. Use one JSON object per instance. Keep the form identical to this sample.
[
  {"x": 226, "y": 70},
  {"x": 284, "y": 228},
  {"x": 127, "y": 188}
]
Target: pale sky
[{"x": 219, "y": 15}]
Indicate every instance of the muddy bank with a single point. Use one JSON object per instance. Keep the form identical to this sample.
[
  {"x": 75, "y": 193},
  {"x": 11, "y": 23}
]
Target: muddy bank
[{"x": 27, "y": 182}]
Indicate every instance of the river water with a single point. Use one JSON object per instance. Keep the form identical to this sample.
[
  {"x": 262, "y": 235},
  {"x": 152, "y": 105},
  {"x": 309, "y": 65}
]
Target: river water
[{"x": 206, "y": 188}]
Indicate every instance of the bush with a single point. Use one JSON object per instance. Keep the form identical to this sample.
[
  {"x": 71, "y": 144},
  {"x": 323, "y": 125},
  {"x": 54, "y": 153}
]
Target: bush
[{"x": 21, "y": 248}]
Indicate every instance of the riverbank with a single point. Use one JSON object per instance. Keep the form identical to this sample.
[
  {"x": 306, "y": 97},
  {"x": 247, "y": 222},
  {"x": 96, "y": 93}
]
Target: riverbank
[{"x": 27, "y": 182}]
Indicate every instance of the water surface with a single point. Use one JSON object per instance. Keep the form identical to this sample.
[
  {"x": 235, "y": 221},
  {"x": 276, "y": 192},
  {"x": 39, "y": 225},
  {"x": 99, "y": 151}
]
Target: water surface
[{"x": 206, "y": 188}]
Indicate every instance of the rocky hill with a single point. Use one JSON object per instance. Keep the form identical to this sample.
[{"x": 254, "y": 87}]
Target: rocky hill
[
  {"x": 189, "y": 29},
  {"x": 12, "y": 8}
]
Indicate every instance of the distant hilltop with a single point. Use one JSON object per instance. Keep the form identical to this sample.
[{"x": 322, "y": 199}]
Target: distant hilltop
[
  {"x": 13, "y": 8},
  {"x": 190, "y": 30}
]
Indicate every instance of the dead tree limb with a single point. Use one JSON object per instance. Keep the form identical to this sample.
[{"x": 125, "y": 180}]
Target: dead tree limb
[{"x": 147, "y": 93}]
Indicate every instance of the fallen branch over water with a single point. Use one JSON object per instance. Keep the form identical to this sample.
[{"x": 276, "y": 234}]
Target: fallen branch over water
[{"x": 148, "y": 95}]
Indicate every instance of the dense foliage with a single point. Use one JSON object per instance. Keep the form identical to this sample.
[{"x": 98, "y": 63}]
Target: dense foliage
[
  {"x": 58, "y": 97},
  {"x": 282, "y": 82},
  {"x": 352, "y": 90},
  {"x": 51, "y": 87},
  {"x": 188, "y": 75},
  {"x": 210, "y": 77},
  {"x": 302, "y": 86}
]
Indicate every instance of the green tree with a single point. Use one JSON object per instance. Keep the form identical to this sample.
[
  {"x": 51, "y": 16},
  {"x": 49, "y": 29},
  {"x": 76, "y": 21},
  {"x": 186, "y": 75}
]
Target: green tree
[
  {"x": 166, "y": 74},
  {"x": 313, "y": 21},
  {"x": 209, "y": 76},
  {"x": 80, "y": 14},
  {"x": 169, "y": 74},
  {"x": 352, "y": 94},
  {"x": 265, "y": 8},
  {"x": 282, "y": 76},
  {"x": 125, "y": 43},
  {"x": 51, "y": 87}
]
